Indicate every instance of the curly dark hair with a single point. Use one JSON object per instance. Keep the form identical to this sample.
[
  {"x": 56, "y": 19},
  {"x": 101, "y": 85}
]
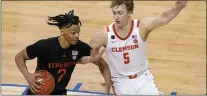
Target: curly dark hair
[{"x": 64, "y": 20}]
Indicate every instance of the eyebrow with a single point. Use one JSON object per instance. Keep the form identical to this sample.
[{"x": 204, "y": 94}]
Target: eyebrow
[
  {"x": 73, "y": 32},
  {"x": 73, "y": 29},
  {"x": 117, "y": 11}
]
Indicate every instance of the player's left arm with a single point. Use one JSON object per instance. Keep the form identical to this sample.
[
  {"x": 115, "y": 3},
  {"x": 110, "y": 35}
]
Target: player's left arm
[
  {"x": 104, "y": 69},
  {"x": 148, "y": 24},
  {"x": 89, "y": 56}
]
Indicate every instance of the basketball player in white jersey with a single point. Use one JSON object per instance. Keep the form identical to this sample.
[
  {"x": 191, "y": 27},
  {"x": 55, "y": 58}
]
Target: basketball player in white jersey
[{"x": 125, "y": 43}]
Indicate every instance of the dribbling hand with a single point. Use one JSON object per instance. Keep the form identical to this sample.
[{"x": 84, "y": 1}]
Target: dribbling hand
[{"x": 33, "y": 83}]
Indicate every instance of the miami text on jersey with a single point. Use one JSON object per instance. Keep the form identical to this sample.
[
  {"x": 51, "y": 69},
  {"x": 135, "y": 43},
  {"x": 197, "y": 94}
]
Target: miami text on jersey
[{"x": 61, "y": 64}]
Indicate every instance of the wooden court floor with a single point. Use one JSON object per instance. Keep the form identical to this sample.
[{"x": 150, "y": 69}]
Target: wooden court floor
[{"x": 176, "y": 52}]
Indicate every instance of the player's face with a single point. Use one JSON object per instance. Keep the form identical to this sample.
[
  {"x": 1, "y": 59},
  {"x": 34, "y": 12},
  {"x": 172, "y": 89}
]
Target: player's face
[
  {"x": 121, "y": 15},
  {"x": 71, "y": 34}
]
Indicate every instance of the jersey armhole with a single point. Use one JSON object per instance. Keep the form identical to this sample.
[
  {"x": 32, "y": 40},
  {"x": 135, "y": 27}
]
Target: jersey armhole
[
  {"x": 138, "y": 21},
  {"x": 107, "y": 40},
  {"x": 107, "y": 28}
]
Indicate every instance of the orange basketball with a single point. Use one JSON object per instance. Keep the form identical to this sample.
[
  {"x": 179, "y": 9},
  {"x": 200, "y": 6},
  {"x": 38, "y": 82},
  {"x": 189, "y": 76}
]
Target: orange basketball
[{"x": 48, "y": 81}]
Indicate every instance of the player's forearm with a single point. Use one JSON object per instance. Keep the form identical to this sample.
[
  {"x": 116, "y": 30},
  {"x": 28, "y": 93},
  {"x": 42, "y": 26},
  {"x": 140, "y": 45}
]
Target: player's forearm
[
  {"x": 84, "y": 60},
  {"x": 168, "y": 15},
  {"x": 21, "y": 64},
  {"x": 105, "y": 72}
]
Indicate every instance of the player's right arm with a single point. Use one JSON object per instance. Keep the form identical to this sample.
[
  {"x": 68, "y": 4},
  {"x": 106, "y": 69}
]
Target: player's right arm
[
  {"x": 148, "y": 24},
  {"x": 30, "y": 52},
  {"x": 20, "y": 60}
]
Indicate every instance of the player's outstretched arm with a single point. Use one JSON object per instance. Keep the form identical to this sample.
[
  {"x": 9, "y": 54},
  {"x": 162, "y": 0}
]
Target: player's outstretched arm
[{"x": 148, "y": 24}]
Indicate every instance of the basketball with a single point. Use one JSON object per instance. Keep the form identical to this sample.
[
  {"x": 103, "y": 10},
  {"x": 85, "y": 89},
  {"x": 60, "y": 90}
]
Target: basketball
[{"x": 48, "y": 81}]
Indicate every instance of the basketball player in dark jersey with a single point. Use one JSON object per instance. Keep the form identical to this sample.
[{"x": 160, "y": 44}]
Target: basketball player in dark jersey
[{"x": 59, "y": 55}]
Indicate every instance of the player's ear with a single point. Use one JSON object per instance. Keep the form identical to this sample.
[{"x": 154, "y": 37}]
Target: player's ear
[
  {"x": 129, "y": 14},
  {"x": 61, "y": 32}
]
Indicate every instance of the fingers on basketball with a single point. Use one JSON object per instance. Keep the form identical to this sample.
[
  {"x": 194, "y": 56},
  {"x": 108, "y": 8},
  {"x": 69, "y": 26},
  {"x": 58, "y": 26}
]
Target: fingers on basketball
[
  {"x": 32, "y": 88},
  {"x": 46, "y": 81}
]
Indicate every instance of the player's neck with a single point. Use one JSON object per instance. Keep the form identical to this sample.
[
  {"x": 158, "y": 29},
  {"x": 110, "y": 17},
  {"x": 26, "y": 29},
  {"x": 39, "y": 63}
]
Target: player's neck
[
  {"x": 124, "y": 29},
  {"x": 63, "y": 43}
]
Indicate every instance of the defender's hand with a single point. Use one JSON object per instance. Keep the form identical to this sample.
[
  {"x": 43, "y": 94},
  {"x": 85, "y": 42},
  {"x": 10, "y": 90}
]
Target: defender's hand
[
  {"x": 107, "y": 88},
  {"x": 181, "y": 3},
  {"x": 95, "y": 54}
]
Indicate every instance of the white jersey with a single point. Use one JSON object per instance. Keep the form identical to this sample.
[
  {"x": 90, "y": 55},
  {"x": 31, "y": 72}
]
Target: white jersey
[{"x": 127, "y": 56}]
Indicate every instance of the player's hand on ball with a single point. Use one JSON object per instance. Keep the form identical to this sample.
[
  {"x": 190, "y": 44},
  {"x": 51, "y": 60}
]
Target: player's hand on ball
[
  {"x": 34, "y": 83},
  {"x": 95, "y": 54}
]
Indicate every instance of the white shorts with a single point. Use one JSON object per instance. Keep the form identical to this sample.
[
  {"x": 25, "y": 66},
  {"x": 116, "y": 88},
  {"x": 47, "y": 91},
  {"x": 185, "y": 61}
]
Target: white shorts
[{"x": 135, "y": 85}]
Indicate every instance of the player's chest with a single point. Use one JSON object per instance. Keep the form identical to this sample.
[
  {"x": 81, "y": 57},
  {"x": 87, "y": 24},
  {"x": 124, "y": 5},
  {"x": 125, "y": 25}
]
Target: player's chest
[
  {"x": 64, "y": 55},
  {"x": 122, "y": 43},
  {"x": 117, "y": 45}
]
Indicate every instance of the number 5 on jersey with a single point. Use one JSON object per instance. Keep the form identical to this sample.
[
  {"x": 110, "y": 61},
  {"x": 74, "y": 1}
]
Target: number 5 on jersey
[{"x": 126, "y": 58}]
